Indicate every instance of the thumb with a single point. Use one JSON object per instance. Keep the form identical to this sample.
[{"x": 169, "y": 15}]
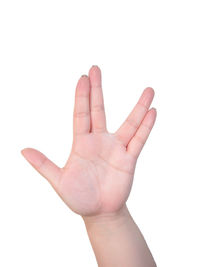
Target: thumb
[{"x": 43, "y": 165}]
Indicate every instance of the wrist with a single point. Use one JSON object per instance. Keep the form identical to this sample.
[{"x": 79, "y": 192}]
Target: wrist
[
  {"x": 116, "y": 240},
  {"x": 110, "y": 218}
]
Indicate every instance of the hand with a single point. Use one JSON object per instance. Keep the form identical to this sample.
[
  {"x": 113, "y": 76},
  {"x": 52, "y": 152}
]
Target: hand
[{"x": 98, "y": 174}]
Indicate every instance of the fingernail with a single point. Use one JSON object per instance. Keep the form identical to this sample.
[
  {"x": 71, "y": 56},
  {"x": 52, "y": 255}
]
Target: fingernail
[{"x": 84, "y": 75}]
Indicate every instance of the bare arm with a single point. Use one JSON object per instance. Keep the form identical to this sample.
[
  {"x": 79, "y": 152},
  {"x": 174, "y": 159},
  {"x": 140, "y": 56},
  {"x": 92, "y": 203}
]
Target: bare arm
[
  {"x": 97, "y": 177},
  {"x": 117, "y": 241}
]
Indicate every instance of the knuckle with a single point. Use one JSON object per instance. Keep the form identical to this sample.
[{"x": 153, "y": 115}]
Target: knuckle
[
  {"x": 97, "y": 108},
  {"x": 147, "y": 127},
  {"x": 139, "y": 139},
  {"x": 99, "y": 128},
  {"x": 142, "y": 106},
  {"x": 132, "y": 123},
  {"x": 44, "y": 161},
  {"x": 81, "y": 114}
]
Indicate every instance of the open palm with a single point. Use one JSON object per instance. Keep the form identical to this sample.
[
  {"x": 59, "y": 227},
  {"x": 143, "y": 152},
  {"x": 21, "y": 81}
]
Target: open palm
[{"x": 98, "y": 174}]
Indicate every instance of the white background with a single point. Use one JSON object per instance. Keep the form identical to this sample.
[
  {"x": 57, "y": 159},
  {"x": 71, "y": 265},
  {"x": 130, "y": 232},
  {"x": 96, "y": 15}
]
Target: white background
[{"x": 45, "y": 46}]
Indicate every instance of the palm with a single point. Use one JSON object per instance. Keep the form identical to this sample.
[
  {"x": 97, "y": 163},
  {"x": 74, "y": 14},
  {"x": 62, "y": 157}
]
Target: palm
[{"x": 98, "y": 175}]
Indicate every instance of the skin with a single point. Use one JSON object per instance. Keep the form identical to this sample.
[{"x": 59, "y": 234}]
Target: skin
[{"x": 97, "y": 178}]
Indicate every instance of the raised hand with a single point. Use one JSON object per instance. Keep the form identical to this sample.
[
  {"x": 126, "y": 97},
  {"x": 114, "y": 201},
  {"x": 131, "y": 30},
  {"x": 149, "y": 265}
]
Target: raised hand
[{"x": 98, "y": 174}]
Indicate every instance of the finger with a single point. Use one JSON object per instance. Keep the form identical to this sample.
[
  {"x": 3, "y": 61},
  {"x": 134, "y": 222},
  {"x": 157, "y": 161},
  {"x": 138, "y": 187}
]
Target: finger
[
  {"x": 137, "y": 142},
  {"x": 131, "y": 124},
  {"x": 98, "y": 118},
  {"x": 81, "y": 121},
  {"x": 43, "y": 165}
]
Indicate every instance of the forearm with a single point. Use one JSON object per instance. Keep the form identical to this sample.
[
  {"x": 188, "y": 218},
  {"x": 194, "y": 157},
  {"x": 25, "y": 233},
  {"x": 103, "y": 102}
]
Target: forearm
[{"x": 117, "y": 241}]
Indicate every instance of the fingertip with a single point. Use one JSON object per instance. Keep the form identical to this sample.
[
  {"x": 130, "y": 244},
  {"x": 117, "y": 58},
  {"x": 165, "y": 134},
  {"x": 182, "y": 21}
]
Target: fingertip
[
  {"x": 153, "y": 114},
  {"x": 33, "y": 156},
  {"x": 154, "y": 110},
  {"x": 84, "y": 75},
  {"x": 94, "y": 68},
  {"x": 149, "y": 88},
  {"x": 156, "y": 113},
  {"x": 23, "y": 151},
  {"x": 83, "y": 86}
]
